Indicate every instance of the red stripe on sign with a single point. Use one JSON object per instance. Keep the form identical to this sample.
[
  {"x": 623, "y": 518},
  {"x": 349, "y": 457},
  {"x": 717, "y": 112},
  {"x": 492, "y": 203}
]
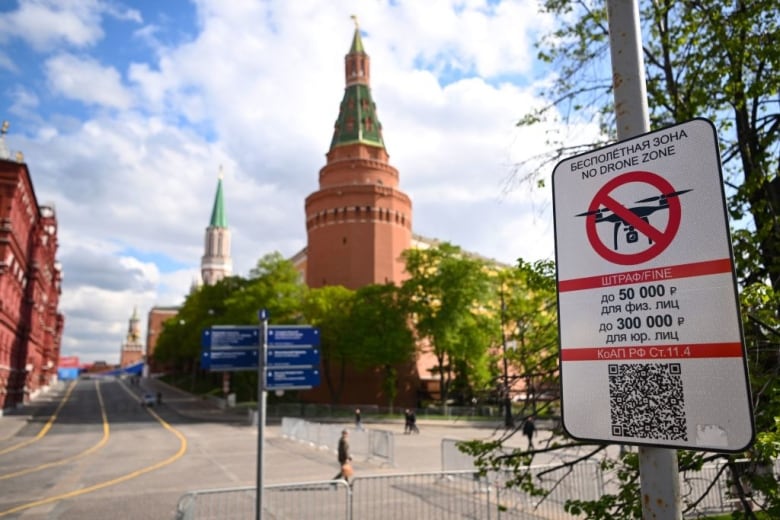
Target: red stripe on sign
[
  {"x": 647, "y": 275},
  {"x": 654, "y": 352}
]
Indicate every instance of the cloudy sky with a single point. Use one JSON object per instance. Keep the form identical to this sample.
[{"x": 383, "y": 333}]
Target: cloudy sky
[{"x": 126, "y": 109}]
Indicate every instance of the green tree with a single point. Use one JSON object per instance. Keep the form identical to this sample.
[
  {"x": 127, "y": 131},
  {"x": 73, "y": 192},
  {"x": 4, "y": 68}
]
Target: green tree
[
  {"x": 702, "y": 59},
  {"x": 179, "y": 344},
  {"x": 380, "y": 334},
  {"x": 447, "y": 295},
  {"x": 531, "y": 327},
  {"x": 329, "y": 309},
  {"x": 274, "y": 284}
]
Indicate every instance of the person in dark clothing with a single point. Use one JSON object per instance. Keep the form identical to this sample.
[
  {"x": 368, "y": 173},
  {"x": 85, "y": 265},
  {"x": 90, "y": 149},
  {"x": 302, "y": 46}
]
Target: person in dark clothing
[
  {"x": 407, "y": 422},
  {"x": 358, "y": 420},
  {"x": 345, "y": 470},
  {"x": 413, "y": 423},
  {"x": 529, "y": 430}
]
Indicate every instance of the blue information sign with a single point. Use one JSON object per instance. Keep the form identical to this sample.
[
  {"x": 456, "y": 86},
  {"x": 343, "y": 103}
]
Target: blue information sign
[
  {"x": 231, "y": 336},
  {"x": 292, "y": 356},
  {"x": 293, "y": 335},
  {"x": 291, "y": 378},
  {"x": 229, "y": 359}
]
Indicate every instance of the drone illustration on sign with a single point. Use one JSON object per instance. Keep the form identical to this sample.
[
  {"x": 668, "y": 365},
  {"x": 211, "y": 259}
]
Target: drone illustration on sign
[{"x": 642, "y": 212}]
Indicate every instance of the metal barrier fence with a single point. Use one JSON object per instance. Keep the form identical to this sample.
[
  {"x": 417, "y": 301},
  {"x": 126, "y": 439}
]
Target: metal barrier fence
[
  {"x": 711, "y": 490},
  {"x": 319, "y": 500},
  {"x": 450, "y": 495},
  {"x": 443, "y": 495},
  {"x": 452, "y": 459},
  {"x": 370, "y": 444},
  {"x": 707, "y": 491}
]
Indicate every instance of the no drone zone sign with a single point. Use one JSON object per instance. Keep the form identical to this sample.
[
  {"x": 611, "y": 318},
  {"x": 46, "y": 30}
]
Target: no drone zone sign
[{"x": 651, "y": 345}]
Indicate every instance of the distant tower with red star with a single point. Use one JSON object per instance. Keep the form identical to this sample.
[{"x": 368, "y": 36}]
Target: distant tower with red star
[{"x": 132, "y": 348}]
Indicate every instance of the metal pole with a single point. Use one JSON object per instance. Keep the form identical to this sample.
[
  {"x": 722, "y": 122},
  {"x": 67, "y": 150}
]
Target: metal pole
[
  {"x": 658, "y": 470},
  {"x": 509, "y": 421},
  {"x": 261, "y": 412}
]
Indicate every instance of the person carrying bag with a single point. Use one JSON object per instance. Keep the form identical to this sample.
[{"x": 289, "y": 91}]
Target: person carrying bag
[{"x": 345, "y": 459}]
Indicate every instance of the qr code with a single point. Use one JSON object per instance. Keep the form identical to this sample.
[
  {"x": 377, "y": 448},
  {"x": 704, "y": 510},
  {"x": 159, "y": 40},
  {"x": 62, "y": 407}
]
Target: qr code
[{"x": 646, "y": 401}]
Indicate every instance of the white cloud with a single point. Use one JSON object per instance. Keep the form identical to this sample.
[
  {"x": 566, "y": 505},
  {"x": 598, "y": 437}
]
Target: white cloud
[
  {"x": 44, "y": 24},
  {"x": 87, "y": 81}
]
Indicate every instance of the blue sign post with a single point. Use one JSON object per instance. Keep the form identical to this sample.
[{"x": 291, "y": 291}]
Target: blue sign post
[
  {"x": 231, "y": 336},
  {"x": 291, "y": 378},
  {"x": 292, "y": 357},
  {"x": 289, "y": 359},
  {"x": 293, "y": 335},
  {"x": 292, "y": 354},
  {"x": 229, "y": 359},
  {"x": 230, "y": 348}
]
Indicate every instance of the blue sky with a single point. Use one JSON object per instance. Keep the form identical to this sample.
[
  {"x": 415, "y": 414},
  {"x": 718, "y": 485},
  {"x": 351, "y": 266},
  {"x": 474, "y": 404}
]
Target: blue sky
[{"x": 125, "y": 111}]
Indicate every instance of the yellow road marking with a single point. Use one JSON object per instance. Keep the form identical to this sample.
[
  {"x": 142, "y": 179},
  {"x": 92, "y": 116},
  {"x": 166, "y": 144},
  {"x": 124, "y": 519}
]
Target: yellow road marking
[
  {"x": 60, "y": 462},
  {"x": 108, "y": 483},
  {"x": 46, "y": 427}
]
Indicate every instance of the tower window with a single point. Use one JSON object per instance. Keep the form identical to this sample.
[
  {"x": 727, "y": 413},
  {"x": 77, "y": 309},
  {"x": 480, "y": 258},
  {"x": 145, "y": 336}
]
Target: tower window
[{"x": 343, "y": 240}]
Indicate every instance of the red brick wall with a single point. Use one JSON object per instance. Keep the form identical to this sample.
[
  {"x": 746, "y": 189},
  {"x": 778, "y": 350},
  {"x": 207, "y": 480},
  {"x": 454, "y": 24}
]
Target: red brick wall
[
  {"x": 358, "y": 223},
  {"x": 155, "y": 323}
]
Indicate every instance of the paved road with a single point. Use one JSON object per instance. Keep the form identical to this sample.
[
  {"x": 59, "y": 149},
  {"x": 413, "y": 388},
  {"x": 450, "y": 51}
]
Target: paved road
[{"x": 90, "y": 451}]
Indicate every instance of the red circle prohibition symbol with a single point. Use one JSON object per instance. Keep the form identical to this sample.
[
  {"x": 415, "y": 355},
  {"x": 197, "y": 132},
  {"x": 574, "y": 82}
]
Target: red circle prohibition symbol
[{"x": 633, "y": 217}]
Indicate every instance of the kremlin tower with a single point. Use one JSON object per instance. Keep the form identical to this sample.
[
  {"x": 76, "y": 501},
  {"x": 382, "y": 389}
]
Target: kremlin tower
[
  {"x": 216, "y": 262},
  {"x": 358, "y": 223},
  {"x": 132, "y": 349}
]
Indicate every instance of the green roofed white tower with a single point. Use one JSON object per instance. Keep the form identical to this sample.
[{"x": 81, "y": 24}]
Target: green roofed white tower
[{"x": 216, "y": 263}]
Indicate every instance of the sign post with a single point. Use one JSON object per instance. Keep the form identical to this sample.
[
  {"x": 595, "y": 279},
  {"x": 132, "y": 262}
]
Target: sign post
[
  {"x": 261, "y": 404},
  {"x": 292, "y": 363},
  {"x": 293, "y": 357},
  {"x": 651, "y": 349}
]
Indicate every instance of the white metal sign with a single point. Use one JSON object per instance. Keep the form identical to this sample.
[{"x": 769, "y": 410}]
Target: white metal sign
[{"x": 651, "y": 347}]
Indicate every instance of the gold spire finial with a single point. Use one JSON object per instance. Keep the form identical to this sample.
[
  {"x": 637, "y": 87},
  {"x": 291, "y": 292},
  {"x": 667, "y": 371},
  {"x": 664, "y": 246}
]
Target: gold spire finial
[{"x": 354, "y": 19}]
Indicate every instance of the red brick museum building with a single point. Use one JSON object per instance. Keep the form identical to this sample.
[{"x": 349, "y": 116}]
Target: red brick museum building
[{"x": 30, "y": 285}]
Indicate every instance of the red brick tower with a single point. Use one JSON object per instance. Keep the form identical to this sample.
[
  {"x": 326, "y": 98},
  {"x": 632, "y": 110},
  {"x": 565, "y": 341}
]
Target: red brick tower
[{"x": 358, "y": 222}]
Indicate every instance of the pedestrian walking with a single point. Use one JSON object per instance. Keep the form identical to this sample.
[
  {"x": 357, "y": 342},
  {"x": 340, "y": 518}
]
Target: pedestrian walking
[
  {"x": 358, "y": 420},
  {"x": 413, "y": 423},
  {"x": 529, "y": 430},
  {"x": 344, "y": 458},
  {"x": 407, "y": 422}
]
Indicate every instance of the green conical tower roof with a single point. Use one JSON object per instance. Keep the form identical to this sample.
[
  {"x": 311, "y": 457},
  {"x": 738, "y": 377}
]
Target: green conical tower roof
[
  {"x": 357, "y": 42},
  {"x": 357, "y": 121},
  {"x": 218, "y": 217}
]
